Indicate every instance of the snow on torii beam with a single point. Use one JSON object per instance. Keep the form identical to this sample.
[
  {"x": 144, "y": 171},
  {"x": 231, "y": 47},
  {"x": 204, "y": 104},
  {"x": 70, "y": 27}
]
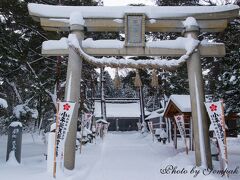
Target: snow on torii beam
[
  {"x": 158, "y": 18},
  {"x": 116, "y": 48}
]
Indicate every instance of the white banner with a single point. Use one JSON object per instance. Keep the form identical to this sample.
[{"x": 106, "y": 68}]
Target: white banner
[
  {"x": 65, "y": 113},
  {"x": 150, "y": 125},
  {"x": 180, "y": 124},
  {"x": 87, "y": 120},
  {"x": 215, "y": 112},
  {"x": 139, "y": 126}
]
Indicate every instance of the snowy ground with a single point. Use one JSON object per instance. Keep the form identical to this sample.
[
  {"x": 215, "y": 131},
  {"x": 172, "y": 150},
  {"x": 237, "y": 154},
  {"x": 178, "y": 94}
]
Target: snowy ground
[{"x": 120, "y": 156}]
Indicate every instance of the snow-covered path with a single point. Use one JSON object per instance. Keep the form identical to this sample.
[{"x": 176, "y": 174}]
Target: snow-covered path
[
  {"x": 120, "y": 156},
  {"x": 128, "y": 156}
]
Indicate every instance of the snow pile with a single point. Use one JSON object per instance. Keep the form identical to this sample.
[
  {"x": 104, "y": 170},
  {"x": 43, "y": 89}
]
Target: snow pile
[
  {"x": 120, "y": 21},
  {"x": 23, "y": 109},
  {"x": 76, "y": 18},
  {"x": 190, "y": 21},
  {"x": 12, "y": 160},
  {"x": 187, "y": 43},
  {"x": 152, "y": 21},
  {"x": 3, "y": 103},
  {"x": 86, "y": 132},
  {"x": 90, "y": 43},
  {"x": 15, "y": 124},
  {"x": 233, "y": 78},
  {"x": 55, "y": 44},
  {"x": 161, "y": 132},
  {"x": 53, "y": 127}
]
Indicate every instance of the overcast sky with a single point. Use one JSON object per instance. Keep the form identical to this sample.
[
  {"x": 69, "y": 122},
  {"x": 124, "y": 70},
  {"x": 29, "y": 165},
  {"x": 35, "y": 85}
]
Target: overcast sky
[{"x": 126, "y": 2}]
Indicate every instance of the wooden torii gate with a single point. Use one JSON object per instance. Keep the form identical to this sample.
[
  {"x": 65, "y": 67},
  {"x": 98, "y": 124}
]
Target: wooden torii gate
[{"x": 135, "y": 21}]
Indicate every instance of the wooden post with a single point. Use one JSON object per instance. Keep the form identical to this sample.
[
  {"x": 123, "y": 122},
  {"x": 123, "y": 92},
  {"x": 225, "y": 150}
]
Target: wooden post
[
  {"x": 103, "y": 101},
  {"x": 81, "y": 139},
  {"x": 55, "y": 144},
  {"x": 175, "y": 134},
  {"x": 185, "y": 141},
  {"x": 170, "y": 129},
  {"x": 199, "y": 114},
  {"x": 141, "y": 98},
  {"x": 225, "y": 137},
  {"x": 167, "y": 128},
  {"x": 72, "y": 93},
  {"x": 191, "y": 136}
]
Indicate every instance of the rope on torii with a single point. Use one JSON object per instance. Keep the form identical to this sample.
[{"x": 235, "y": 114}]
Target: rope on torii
[{"x": 192, "y": 45}]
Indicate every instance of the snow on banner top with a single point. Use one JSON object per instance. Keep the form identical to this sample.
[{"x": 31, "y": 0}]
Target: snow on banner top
[{"x": 156, "y": 12}]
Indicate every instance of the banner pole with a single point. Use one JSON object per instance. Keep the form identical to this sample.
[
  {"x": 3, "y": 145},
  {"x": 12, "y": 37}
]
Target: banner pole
[
  {"x": 55, "y": 145},
  {"x": 225, "y": 138},
  {"x": 81, "y": 142},
  {"x": 186, "y": 145}
]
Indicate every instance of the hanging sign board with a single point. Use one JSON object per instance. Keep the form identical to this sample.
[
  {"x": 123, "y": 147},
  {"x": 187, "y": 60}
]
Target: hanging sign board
[
  {"x": 216, "y": 115},
  {"x": 150, "y": 125},
  {"x": 181, "y": 127},
  {"x": 87, "y": 120},
  {"x": 135, "y": 30},
  {"x": 180, "y": 124}
]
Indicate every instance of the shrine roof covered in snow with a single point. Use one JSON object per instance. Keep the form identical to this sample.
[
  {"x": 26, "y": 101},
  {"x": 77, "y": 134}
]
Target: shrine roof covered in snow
[
  {"x": 114, "y": 110},
  {"x": 177, "y": 104}
]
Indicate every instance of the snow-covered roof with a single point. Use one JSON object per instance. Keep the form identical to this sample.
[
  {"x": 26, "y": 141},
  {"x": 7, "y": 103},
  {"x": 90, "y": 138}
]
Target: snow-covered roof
[
  {"x": 3, "y": 103},
  {"x": 101, "y": 121},
  {"x": 182, "y": 102},
  {"x": 153, "y": 115},
  {"x": 160, "y": 110},
  {"x": 152, "y": 12},
  {"x": 147, "y": 113},
  {"x": 118, "y": 110}
]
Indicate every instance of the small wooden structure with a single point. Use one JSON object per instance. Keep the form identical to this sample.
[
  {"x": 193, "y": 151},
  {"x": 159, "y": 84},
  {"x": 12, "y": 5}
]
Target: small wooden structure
[
  {"x": 233, "y": 127},
  {"x": 179, "y": 104}
]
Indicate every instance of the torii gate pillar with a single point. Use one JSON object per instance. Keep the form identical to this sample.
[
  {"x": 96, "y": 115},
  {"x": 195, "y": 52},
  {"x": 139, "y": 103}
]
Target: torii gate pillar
[
  {"x": 72, "y": 93},
  {"x": 199, "y": 114}
]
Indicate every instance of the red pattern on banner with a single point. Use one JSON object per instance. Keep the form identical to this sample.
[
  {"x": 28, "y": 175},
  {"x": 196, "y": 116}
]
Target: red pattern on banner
[
  {"x": 213, "y": 107},
  {"x": 66, "y": 107}
]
